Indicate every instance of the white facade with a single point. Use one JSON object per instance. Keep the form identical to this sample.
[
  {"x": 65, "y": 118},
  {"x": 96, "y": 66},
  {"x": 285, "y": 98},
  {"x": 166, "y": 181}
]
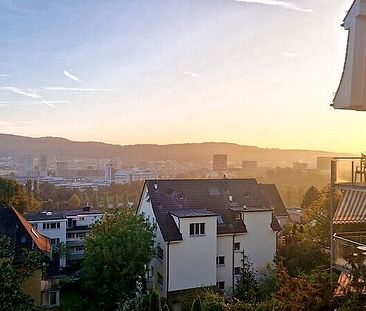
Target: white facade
[
  {"x": 208, "y": 259},
  {"x": 192, "y": 261},
  {"x": 141, "y": 175},
  {"x": 69, "y": 229},
  {"x": 55, "y": 230},
  {"x": 351, "y": 93}
]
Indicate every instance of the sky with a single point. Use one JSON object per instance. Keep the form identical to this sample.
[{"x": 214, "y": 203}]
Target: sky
[{"x": 253, "y": 72}]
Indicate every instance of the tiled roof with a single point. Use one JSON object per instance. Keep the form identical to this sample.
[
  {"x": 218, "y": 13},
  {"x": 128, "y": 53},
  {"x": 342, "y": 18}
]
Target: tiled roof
[
  {"x": 219, "y": 196},
  {"x": 11, "y": 221},
  {"x": 43, "y": 243},
  {"x": 274, "y": 198}
]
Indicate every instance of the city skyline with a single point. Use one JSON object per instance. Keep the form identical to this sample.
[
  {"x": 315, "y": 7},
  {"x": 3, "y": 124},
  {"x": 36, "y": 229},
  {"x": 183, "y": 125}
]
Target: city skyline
[{"x": 252, "y": 72}]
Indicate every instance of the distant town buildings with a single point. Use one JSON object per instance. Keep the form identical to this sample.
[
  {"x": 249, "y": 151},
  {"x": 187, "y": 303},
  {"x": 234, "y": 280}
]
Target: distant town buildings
[
  {"x": 249, "y": 167},
  {"x": 299, "y": 166},
  {"x": 323, "y": 163},
  {"x": 219, "y": 162}
]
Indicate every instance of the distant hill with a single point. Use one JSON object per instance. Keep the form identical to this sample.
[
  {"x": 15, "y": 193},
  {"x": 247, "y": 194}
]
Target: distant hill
[{"x": 54, "y": 147}]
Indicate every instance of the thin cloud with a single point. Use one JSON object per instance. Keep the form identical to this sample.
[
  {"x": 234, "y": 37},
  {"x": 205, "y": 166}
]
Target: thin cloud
[
  {"x": 71, "y": 76},
  {"x": 27, "y": 93},
  {"x": 4, "y": 75},
  {"x": 281, "y": 4},
  {"x": 190, "y": 73},
  {"x": 291, "y": 55},
  {"x": 77, "y": 89},
  {"x": 49, "y": 103}
]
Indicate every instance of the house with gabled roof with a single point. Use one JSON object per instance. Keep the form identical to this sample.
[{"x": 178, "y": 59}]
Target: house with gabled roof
[
  {"x": 203, "y": 229},
  {"x": 41, "y": 287}
]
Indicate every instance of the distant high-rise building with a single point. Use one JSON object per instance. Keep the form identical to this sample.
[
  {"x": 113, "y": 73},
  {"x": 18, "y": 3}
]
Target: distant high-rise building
[
  {"x": 219, "y": 162},
  {"x": 299, "y": 166},
  {"x": 323, "y": 163},
  {"x": 249, "y": 167},
  {"x": 61, "y": 168},
  {"x": 109, "y": 171},
  {"x": 42, "y": 165},
  {"x": 26, "y": 165}
]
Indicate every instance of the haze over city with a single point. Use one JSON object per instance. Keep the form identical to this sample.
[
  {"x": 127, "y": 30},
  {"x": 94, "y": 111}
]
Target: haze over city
[{"x": 254, "y": 72}]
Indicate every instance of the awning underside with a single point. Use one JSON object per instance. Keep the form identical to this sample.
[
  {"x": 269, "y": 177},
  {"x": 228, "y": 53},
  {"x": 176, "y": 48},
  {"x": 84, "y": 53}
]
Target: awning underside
[{"x": 351, "y": 209}]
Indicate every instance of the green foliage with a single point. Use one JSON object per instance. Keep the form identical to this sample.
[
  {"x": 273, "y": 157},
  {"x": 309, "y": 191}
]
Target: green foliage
[
  {"x": 74, "y": 201},
  {"x": 310, "y": 196},
  {"x": 267, "y": 282},
  {"x": 302, "y": 293},
  {"x": 154, "y": 304},
  {"x": 197, "y": 304},
  {"x": 246, "y": 286},
  {"x": 116, "y": 254},
  {"x": 12, "y": 193},
  {"x": 317, "y": 218},
  {"x": 303, "y": 257},
  {"x": 11, "y": 278},
  {"x": 212, "y": 301}
]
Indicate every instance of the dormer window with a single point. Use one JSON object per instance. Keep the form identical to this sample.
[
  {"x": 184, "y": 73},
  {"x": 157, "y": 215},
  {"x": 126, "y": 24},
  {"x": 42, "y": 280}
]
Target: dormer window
[{"x": 197, "y": 229}]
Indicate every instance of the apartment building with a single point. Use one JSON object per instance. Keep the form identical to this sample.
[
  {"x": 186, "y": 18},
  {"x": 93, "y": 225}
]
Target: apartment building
[
  {"x": 66, "y": 227},
  {"x": 204, "y": 227}
]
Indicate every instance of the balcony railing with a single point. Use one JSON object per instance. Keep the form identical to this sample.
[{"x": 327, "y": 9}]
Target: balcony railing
[
  {"x": 349, "y": 171},
  {"x": 346, "y": 246}
]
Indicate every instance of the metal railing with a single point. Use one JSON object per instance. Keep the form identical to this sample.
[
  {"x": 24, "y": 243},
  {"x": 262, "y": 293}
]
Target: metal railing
[
  {"x": 345, "y": 246},
  {"x": 348, "y": 170}
]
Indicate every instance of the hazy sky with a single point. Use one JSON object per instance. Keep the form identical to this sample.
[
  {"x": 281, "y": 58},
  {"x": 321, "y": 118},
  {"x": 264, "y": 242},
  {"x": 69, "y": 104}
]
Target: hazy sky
[{"x": 254, "y": 72}]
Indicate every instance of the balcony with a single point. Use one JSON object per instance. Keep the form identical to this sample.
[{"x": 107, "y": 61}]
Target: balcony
[
  {"x": 347, "y": 246},
  {"x": 349, "y": 172}
]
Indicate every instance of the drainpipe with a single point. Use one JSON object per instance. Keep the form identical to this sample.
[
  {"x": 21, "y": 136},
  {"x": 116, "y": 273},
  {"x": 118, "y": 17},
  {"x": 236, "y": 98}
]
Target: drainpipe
[
  {"x": 167, "y": 270},
  {"x": 233, "y": 268}
]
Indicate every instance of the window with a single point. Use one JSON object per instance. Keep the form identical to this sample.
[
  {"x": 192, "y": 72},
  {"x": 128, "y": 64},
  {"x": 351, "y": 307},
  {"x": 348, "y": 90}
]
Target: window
[
  {"x": 79, "y": 249},
  {"x": 220, "y": 260},
  {"x": 55, "y": 241},
  {"x": 160, "y": 279},
  {"x": 197, "y": 229},
  {"x": 237, "y": 246},
  {"x": 220, "y": 285},
  {"x": 160, "y": 252},
  {"x": 51, "y": 225},
  {"x": 49, "y": 298},
  {"x": 237, "y": 270},
  {"x": 35, "y": 226}
]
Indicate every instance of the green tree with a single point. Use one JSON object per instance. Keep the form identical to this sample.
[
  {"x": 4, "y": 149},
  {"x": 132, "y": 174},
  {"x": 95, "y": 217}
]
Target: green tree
[
  {"x": 74, "y": 201},
  {"x": 154, "y": 304},
  {"x": 115, "y": 202},
  {"x": 302, "y": 293},
  {"x": 125, "y": 199},
  {"x": 116, "y": 254},
  {"x": 12, "y": 296},
  {"x": 106, "y": 201},
  {"x": 310, "y": 196},
  {"x": 197, "y": 304},
  {"x": 12, "y": 193},
  {"x": 246, "y": 286},
  {"x": 29, "y": 187},
  {"x": 317, "y": 218},
  {"x": 304, "y": 256},
  {"x": 36, "y": 190}
]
